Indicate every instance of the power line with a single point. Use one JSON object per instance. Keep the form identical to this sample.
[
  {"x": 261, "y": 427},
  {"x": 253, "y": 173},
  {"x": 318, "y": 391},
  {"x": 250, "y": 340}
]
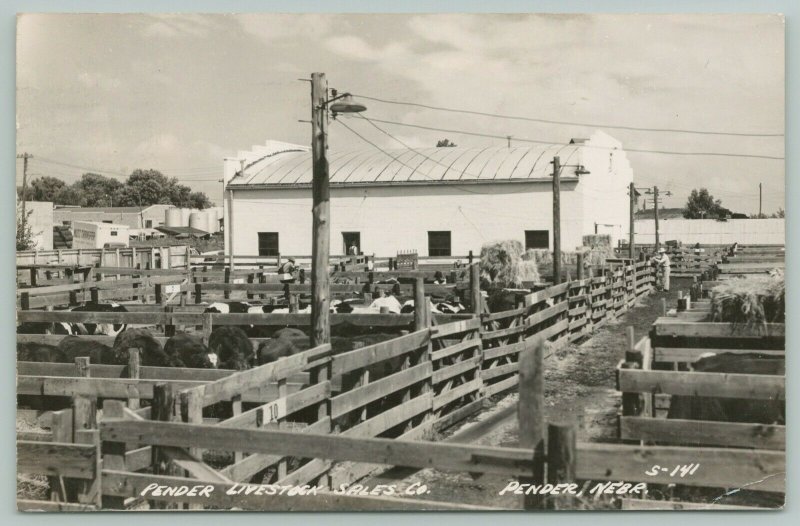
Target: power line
[
  {"x": 568, "y": 123},
  {"x": 626, "y": 149}
]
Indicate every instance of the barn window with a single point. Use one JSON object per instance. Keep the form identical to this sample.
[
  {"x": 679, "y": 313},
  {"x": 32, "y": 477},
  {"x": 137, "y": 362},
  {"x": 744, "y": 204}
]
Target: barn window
[
  {"x": 148, "y": 223},
  {"x": 113, "y": 232},
  {"x": 268, "y": 244},
  {"x": 106, "y": 221},
  {"x": 439, "y": 243},
  {"x": 537, "y": 239}
]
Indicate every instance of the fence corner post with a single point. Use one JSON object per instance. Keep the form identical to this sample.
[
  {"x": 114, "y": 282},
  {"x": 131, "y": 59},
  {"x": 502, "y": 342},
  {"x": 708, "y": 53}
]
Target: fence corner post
[
  {"x": 561, "y": 447},
  {"x": 531, "y": 416}
]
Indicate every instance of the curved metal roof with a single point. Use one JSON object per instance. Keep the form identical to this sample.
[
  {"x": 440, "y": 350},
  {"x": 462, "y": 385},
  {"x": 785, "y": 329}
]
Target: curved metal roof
[{"x": 423, "y": 166}]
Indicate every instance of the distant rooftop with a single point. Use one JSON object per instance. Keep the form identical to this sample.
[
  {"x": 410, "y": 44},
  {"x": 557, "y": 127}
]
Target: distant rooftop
[{"x": 108, "y": 209}]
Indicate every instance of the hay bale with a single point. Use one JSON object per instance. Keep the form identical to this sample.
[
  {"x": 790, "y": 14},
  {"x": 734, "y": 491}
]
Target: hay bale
[
  {"x": 502, "y": 265},
  {"x": 752, "y": 301}
]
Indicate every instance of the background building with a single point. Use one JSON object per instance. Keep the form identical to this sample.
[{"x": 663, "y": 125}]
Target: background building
[
  {"x": 41, "y": 223},
  {"x": 440, "y": 201},
  {"x": 132, "y": 216}
]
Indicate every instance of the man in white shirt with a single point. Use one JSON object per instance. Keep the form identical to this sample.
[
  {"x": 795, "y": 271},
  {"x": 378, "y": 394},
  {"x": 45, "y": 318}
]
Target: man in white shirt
[{"x": 662, "y": 261}]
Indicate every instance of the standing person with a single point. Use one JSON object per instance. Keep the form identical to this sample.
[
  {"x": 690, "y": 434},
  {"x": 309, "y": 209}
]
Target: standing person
[
  {"x": 286, "y": 275},
  {"x": 663, "y": 266},
  {"x": 353, "y": 250}
]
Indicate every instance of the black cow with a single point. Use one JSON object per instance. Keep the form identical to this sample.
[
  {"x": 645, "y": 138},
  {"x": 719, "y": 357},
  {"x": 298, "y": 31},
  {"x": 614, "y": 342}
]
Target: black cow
[
  {"x": 75, "y": 346},
  {"x": 108, "y": 329},
  {"x": 232, "y": 347},
  {"x": 39, "y": 352},
  {"x": 150, "y": 350},
  {"x": 188, "y": 350},
  {"x": 733, "y": 409}
]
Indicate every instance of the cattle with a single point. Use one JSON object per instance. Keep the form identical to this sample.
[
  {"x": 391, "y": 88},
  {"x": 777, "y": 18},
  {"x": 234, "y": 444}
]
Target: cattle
[
  {"x": 233, "y": 307},
  {"x": 732, "y": 409},
  {"x": 285, "y": 342},
  {"x": 39, "y": 352},
  {"x": 232, "y": 347},
  {"x": 75, "y": 346},
  {"x": 150, "y": 350},
  {"x": 188, "y": 350},
  {"x": 108, "y": 329}
]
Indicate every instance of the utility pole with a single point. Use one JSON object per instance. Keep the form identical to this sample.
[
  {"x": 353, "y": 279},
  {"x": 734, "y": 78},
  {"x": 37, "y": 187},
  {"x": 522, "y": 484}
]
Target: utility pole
[
  {"x": 556, "y": 220},
  {"x": 25, "y": 156},
  {"x": 320, "y": 285},
  {"x": 655, "y": 201},
  {"x": 508, "y": 137},
  {"x": 631, "y": 248},
  {"x": 759, "y": 200}
]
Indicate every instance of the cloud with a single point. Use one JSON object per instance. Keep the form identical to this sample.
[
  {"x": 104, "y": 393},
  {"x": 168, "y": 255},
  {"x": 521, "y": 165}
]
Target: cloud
[{"x": 99, "y": 80}]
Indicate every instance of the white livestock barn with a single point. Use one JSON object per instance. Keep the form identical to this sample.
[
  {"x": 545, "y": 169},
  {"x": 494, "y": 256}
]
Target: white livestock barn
[{"x": 440, "y": 201}]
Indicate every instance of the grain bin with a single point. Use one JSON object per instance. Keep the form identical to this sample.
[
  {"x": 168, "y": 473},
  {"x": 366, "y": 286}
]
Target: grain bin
[
  {"x": 173, "y": 217},
  {"x": 213, "y": 220},
  {"x": 199, "y": 220},
  {"x": 185, "y": 213}
]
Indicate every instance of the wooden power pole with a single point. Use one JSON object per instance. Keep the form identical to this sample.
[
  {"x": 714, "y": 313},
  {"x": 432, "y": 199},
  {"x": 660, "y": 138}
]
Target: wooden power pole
[
  {"x": 556, "y": 220},
  {"x": 655, "y": 211},
  {"x": 24, "y": 157},
  {"x": 320, "y": 284},
  {"x": 631, "y": 247}
]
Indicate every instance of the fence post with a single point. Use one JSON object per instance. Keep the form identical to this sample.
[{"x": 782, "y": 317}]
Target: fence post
[
  {"x": 82, "y": 367},
  {"x": 475, "y": 287},
  {"x": 113, "y": 453},
  {"x": 663, "y": 306},
  {"x": 420, "y": 303},
  {"x": 84, "y": 417},
  {"x": 61, "y": 427},
  {"x": 561, "y": 445},
  {"x": 227, "y": 279},
  {"x": 159, "y": 295},
  {"x": 134, "y": 369},
  {"x": 34, "y": 276},
  {"x": 250, "y": 280},
  {"x": 633, "y": 360},
  {"x": 25, "y": 301},
  {"x": 169, "y": 326},
  {"x": 579, "y": 270},
  {"x": 293, "y": 306},
  {"x": 531, "y": 416},
  {"x": 94, "y": 293},
  {"x": 198, "y": 293},
  {"x": 192, "y": 413},
  {"x": 163, "y": 410}
]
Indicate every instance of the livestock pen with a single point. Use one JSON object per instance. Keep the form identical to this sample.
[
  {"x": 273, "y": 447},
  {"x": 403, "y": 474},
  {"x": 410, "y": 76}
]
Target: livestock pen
[{"x": 448, "y": 366}]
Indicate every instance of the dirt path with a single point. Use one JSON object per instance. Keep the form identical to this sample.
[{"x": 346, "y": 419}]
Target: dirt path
[{"x": 579, "y": 388}]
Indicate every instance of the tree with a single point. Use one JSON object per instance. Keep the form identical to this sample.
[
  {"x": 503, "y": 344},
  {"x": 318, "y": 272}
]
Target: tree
[
  {"x": 445, "y": 143},
  {"x": 702, "y": 205},
  {"x": 199, "y": 200},
  {"x": 42, "y": 189},
  {"x": 25, "y": 239},
  {"x": 781, "y": 213},
  {"x": 98, "y": 190}
]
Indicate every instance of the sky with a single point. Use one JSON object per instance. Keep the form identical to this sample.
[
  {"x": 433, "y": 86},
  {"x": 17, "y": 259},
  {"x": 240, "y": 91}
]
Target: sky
[{"x": 178, "y": 93}]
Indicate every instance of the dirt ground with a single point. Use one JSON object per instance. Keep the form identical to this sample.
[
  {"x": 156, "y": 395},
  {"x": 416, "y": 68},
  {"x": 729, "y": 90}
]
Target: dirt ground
[{"x": 579, "y": 388}]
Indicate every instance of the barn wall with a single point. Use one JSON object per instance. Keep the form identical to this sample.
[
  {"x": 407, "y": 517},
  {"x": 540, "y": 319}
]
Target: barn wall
[
  {"x": 398, "y": 218},
  {"x": 713, "y": 232}
]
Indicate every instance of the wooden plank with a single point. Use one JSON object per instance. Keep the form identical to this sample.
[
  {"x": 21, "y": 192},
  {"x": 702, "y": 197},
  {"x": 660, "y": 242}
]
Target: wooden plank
[
  {"x": 456, "y": 392},
  {"x": 691, "y": 354},
  {"x": 455, "y": 349},
  {"x": 289, "y": 404},
  {"x": 542, "y": 295},
  {"x": 361, "y": 396},
  {"x": 502, "y": 333},
  {"x": 503, "y": 314},
  {"x": 457, "y": 457},
  {"x": 719, "y": 467},
  {"x": 125, "y": 484},
  {"x": 551, "y": 331},
  {"x": 512, "y": 348},
  {"x": 457, "y": 368},
  {"x": 56, "y": 459},
  {"x": 97, "y": 387},
  {"x": 372, "y": 354},
  {"x": 499, "y": 387},
  {"x": 758, "y": 436},
  {"x": 670, "y": 327},
  {"x": 500, "y": 370},
  {"x": 440, "y": 331},
  {"x": 546, "y": 314},
  {"x": 250, "y": 465},
  {"x": 392, "y": 417},
  {"x": 722, "y": 385}
]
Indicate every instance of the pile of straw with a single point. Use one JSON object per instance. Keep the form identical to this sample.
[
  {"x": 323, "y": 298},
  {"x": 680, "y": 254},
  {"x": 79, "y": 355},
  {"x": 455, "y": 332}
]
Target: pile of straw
[
  {"x": 750, "y": 301},
  {"x": 502, "y": 265}
]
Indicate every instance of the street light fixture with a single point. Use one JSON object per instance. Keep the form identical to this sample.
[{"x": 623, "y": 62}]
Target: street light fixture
[{"x": 345, "y": 104}]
